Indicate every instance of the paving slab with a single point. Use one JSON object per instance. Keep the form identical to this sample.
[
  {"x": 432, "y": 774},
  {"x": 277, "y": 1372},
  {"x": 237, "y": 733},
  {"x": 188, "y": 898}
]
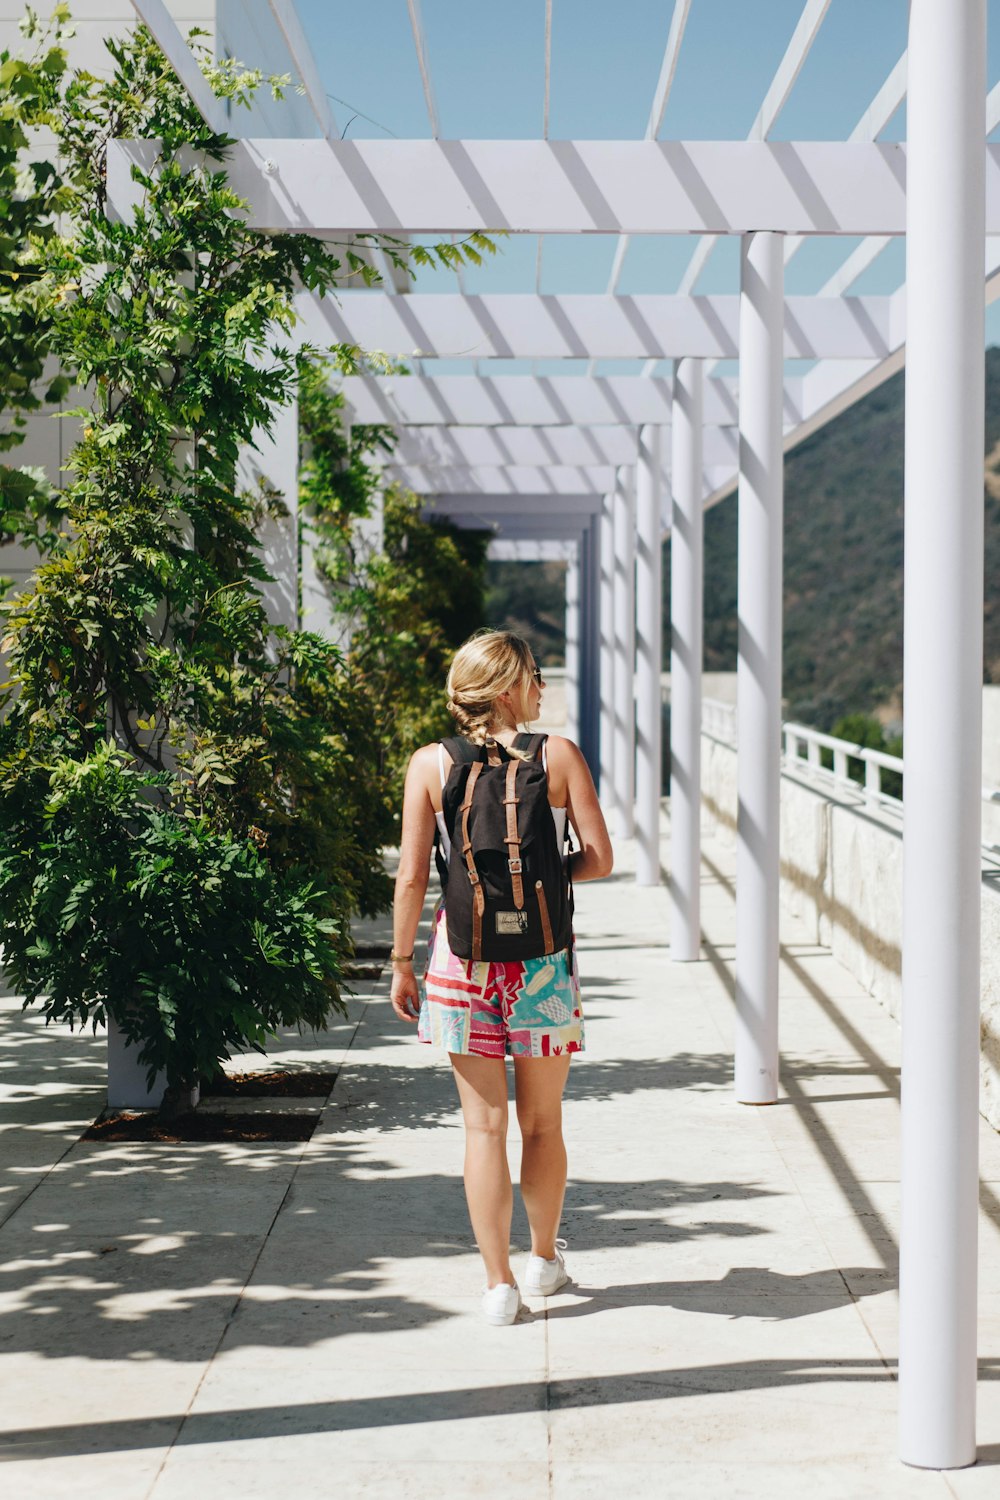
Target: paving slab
[{"x": 256, "y": 1319}]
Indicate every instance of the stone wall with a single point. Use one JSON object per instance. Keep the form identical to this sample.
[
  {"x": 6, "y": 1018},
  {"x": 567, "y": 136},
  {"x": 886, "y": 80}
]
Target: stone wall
[{"x": 842, "y": 875}]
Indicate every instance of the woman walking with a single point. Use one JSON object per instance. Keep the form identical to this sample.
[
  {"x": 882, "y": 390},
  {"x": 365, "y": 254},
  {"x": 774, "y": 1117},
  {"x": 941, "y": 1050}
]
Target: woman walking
[{"x": 501, "y": 978}]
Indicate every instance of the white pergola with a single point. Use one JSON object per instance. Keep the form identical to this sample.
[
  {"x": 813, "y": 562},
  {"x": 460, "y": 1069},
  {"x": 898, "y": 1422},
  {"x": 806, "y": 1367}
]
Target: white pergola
[{"x": 594, "y": 467}]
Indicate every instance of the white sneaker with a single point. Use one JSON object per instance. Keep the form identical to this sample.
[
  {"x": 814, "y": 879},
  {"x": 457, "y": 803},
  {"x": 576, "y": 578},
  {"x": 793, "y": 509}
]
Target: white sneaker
[
  {"x": 543, "y": 1277},
  {"x": 501, "y": 1303}
]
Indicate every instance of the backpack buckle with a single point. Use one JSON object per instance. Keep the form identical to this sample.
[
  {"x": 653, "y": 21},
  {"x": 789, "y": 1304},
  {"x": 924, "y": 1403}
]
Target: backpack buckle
[{"x": 514, "y": 866}]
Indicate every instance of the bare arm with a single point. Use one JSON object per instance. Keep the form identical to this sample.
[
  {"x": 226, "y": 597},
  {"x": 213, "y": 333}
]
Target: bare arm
[
  {"x": 594, "y": 859},
  {"x": 411, "y": 878}
]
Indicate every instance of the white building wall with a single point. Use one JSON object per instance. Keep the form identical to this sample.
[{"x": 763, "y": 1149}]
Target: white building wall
[
  {"x": 93, "y": 20},
  {"x": 245, "y": 29},
  {"x": 842, "y": 875}
]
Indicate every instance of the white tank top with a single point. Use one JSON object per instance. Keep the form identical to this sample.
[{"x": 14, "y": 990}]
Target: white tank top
[{"x": 558, "y": 813}]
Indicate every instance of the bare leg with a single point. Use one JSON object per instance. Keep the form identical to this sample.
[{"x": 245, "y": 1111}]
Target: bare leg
[
  {"x": 539, "y": 1084},
  {"x": 482, "y": 1088}
]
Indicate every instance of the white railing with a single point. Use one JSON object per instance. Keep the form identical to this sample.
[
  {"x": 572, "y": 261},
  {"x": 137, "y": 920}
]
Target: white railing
[
  {"x": 803, "y": 751},
  {"x": 718, "y": 720},
  {"x": 799, "y": 738}
]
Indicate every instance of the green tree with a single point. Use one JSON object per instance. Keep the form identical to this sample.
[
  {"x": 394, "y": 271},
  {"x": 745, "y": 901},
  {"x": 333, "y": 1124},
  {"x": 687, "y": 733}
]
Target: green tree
[
  {"x": 32, "y": 195},
  {"x": 184, "y": 831},
  {"x": 530, "y": 598},
  {"x": 866, "y": 730},
  {"x": 407, "y": 605}
]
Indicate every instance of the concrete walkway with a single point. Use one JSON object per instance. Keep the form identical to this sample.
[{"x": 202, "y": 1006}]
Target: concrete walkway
[{"x": 288, "y": 1320}]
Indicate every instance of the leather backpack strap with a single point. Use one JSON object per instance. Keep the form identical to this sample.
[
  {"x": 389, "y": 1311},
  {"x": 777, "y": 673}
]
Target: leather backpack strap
[
  {"x": 478, "y": 899},
  {"x": 512, "y": 838}
]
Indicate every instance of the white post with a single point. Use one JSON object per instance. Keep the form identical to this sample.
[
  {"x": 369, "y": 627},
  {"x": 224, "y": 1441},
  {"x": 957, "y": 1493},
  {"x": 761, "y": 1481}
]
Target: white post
[
  {"x": 648, "y": 658},
  {"x": 272, "y": 466},
  {"x": 686, "y": 532},
  {"x": 573, "y": 645},
  {"x": 590, "y": 640},
  {"x": 942, "y": 681},
  {"x": 624, "y": 689},
  {"x": 317, "y": 605},
  {"x": 607, "y": 653},
  {"x": 758, "y": 681}
]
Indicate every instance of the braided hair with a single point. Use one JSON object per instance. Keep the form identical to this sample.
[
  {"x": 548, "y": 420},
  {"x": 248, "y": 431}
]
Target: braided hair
[{"x": 490, "y": 662}]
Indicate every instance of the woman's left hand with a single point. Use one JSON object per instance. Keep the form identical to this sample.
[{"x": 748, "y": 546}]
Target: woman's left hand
[{"x": 405, "y": 995}]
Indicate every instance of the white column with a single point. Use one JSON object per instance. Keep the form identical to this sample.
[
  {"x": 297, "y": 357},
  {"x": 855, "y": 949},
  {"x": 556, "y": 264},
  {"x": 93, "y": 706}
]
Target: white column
[
  {"x": 573, "y": 646},
  {"x": 686, "y": 531},
  {"x": 943, "y": 643},
  {"x": 648, "y": 658},
  {"x": 590, "y": 638},
  {"x": 623, "y": 766},
  {"x": 272, "y": 466},
  {"x": 607, "y": 653},
  {"x": 317, "y": 605},
  {"x": 758, "y": 681}
]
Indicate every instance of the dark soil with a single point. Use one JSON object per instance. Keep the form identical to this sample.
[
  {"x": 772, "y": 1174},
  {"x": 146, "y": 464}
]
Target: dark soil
[
  {"x": 270, "y": 1085},
  {"x": 147, "y": 1126}
]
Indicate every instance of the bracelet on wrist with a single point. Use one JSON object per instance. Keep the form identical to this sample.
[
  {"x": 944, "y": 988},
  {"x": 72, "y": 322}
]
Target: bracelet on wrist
[{"x": 400, "y": 958}]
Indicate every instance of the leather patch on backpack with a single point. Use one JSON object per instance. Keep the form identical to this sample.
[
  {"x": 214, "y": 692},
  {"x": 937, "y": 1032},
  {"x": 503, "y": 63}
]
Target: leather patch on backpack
[{"x": 511, "y": 923}]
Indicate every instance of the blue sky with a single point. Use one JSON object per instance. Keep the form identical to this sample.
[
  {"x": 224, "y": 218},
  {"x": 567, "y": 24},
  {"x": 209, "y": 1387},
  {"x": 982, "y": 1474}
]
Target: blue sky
[{"x": 487, "y": 66}]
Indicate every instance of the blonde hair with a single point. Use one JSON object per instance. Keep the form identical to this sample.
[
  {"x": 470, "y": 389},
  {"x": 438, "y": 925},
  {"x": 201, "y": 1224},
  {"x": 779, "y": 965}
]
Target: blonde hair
[{"x": 490, "y": 662}]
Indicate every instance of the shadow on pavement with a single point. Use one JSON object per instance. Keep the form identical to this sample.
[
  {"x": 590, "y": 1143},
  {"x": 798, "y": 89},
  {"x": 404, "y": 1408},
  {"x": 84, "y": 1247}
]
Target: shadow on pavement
[
  {"x": 471, "y": 1404},
  {"x": 144, "y": 1252}
]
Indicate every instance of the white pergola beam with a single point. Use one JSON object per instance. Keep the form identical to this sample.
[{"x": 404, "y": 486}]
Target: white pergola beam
[
  {"x": 831, "y": 388},
  {"x": 668, "y": 68},
  {"x": 167, "y": 35},
  {"x": 548, "y": 70},
  {"x": 664, "y": 83},
  {"x": 420, "y": 43},
  {"x": 720, "y": 446},
  {"x": 560, "y": 187},
  {"x": 535, "y": 401},
  {"x": 885, "y": 104},
  {"x": 522, "y": 528},
  {"x": 508, "y": 549},
  {"x": 789, "y": 68},
  {"x": 883, "y": 108},
  {"x": 588, "y": 447},
  {"x": 577, "y": 326},
  {"x": 541, "y": 506},
  {"x": 287, "y": 18},
  {"x": 552, "y": 480},
  {"x": 774, "y": 101}
]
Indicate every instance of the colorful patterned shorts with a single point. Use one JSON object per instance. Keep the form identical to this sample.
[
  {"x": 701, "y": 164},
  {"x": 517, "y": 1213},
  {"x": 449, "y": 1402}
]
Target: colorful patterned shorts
[{"x": 530, "y": 1008}]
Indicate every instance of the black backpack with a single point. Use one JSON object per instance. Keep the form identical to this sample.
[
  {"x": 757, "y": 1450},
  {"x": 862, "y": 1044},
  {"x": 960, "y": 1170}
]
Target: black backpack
[{"x": 508, "y": 891}]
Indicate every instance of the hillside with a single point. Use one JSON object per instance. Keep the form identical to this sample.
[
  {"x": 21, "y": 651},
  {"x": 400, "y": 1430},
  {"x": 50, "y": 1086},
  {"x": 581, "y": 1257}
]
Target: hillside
[
  {"x": 843, "y": 641},
  {"x": 530, "y": 598}
]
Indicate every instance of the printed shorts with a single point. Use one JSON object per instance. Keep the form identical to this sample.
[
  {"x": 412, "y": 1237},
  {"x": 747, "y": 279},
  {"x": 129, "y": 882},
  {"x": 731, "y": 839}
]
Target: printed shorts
[{"x": 528, "y": 1008}]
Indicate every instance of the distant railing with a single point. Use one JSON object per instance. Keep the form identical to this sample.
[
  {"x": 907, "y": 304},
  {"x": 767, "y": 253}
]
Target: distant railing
[
  {"x": 718, "y": 720},
  {"x": 803, "y": 744},
  {"x": 803, "y": 751}
]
